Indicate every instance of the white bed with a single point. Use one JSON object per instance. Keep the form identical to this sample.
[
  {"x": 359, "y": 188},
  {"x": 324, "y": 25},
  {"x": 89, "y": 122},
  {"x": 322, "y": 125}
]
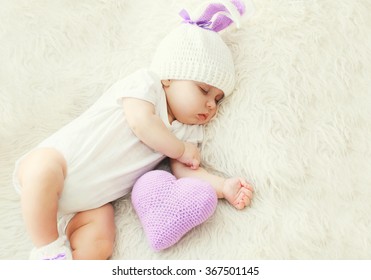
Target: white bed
[{"x": 298, "y": 124}]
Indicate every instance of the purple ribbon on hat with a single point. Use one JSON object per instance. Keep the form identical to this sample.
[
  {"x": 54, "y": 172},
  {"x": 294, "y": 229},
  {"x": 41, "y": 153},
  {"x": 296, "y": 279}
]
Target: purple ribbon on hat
[
  {"x": 216, "y": 16},
  {"x": 187, "y": 19}
]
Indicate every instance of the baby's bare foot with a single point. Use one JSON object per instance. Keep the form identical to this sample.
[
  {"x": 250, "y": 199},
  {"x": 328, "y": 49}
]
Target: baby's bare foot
[{"x": 238, "y": 192}]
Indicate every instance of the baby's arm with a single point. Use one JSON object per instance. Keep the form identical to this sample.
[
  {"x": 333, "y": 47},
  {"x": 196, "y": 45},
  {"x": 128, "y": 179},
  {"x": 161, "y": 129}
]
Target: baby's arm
[
  {"x": 151, "y": 130},
  {"x": 237, "y": 191}
]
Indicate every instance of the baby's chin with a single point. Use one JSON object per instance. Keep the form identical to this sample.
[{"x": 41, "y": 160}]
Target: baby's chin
[{"x": 196, "y": 120}]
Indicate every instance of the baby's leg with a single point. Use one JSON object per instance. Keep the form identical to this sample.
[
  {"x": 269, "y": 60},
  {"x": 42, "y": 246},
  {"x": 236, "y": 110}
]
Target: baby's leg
[
  {"x": 92, "y": 233},
  {"x": 41, "y": 175}
]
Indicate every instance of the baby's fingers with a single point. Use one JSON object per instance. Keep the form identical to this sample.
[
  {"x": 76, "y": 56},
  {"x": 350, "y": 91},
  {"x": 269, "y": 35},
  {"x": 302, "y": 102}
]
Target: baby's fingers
[
  {"x": 246, "y": 185},
  {"x": 195, "y": 164}
]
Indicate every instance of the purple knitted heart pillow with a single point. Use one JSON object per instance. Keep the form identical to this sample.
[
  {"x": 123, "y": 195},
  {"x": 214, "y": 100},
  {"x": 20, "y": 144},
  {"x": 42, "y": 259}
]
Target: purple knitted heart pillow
[{"x": 168, "y": 208}]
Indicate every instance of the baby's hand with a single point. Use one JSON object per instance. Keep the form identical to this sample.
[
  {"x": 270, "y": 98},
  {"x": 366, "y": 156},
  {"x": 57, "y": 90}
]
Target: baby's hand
[
  {"x": 191, "y": 156},
  {"x": 238, "y": 192}
]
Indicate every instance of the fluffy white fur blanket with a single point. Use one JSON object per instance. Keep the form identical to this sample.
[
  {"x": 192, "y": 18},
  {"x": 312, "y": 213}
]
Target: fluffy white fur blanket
[{"x": 298, "y": 124}]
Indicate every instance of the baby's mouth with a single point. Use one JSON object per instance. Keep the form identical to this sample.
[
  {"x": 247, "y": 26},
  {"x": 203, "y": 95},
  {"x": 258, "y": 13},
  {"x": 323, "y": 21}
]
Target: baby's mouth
[{"x": 203, "y": 117}]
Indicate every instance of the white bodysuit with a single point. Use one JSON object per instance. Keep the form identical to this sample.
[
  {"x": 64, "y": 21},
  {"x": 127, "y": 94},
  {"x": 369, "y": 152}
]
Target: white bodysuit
[{"x": 104, "y": 158}]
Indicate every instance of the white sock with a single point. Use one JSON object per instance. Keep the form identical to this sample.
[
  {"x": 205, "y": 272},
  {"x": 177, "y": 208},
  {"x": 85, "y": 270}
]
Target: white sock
[{"x": 56, "y": 250}]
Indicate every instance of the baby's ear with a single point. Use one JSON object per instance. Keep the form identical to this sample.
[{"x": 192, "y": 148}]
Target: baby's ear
[{"x": 166, "y": 83}]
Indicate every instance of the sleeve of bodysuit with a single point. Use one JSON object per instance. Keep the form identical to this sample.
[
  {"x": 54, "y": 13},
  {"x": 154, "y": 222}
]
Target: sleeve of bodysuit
[{"x": 142, "y": 84}]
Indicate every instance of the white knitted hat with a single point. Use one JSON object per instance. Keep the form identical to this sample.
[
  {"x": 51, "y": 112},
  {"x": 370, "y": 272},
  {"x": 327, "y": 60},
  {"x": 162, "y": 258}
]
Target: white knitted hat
[{"x": 195, "y": 51}]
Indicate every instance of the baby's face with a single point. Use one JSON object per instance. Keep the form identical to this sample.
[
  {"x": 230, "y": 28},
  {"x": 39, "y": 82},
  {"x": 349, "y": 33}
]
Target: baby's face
[{"x": 191, "y": 102}]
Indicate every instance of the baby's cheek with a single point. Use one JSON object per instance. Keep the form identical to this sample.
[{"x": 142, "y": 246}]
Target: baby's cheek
[{"x": 213, "y": 114}]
